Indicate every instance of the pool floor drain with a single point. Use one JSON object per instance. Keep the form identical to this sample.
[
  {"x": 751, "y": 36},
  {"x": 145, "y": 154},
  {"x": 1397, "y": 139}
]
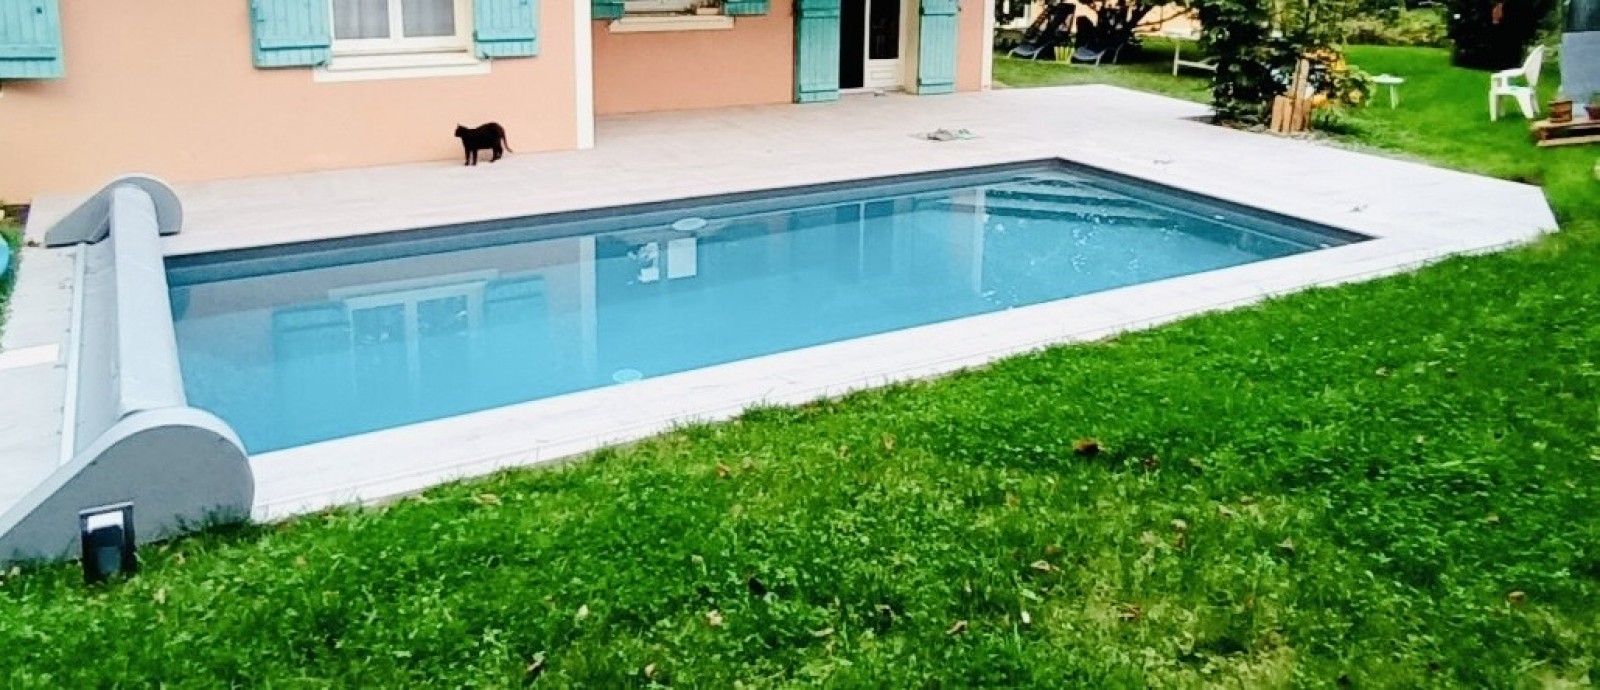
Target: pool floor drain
[{"x": 626, "y": 375}]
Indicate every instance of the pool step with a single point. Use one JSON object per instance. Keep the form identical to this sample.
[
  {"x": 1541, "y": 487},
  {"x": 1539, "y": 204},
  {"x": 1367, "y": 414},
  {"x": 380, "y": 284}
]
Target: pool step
[
  {"x": 1060, "y": 208},
  {"x": 1062, "y": 188},
  {"x": 1087, "y": 195}
]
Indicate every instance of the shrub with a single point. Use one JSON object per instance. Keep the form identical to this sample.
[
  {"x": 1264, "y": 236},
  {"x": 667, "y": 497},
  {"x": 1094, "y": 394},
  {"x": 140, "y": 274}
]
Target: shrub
[
  {"x": 1258, "y": 43},
  {"x": 1424, "y": 27},
  {"x": 1338, "y": 84}
]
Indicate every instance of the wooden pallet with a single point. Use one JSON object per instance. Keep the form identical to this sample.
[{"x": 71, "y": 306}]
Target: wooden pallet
[
  {"x": 1567, "y": 133},
  {"x": 1292, "y": 113}
]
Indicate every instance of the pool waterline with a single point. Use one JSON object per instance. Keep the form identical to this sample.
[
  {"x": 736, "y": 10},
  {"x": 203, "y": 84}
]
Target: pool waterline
[{"x": 295, "y": 345}]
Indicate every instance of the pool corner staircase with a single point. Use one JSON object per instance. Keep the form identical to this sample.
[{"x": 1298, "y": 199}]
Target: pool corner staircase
[{"x": 129, "y": 439}]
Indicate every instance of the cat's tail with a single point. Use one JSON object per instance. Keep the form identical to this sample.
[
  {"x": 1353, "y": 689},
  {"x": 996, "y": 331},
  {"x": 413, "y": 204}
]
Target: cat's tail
[{"x": 505, "y": 143}]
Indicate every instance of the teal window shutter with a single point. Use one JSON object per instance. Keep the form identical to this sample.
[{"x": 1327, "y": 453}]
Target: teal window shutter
[
  {"x": 30, "y": 39},
  {"x": 816, "y": 45},
  {"x": 291, "y": 33},
  {"x": 744, "y": 8},
  {"x": 936, "y": 48},
  {"x": 506, "y": 28},
  {"x": 605, "y": 9}
]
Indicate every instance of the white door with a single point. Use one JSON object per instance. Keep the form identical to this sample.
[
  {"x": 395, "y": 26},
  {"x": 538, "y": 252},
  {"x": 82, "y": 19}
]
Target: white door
[{"x": 884, "y": 45}]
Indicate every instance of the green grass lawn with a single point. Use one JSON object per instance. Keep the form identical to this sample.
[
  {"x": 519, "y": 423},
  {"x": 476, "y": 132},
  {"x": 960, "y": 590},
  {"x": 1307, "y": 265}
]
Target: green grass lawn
[
  {"x": 1147, "y": 68},
  {"x": 1391, "y": 484},
  {"x": 1444, "y": 117}
]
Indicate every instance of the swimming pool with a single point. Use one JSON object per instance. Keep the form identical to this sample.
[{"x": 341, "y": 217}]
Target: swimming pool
[{"x": 303, "y": 343}]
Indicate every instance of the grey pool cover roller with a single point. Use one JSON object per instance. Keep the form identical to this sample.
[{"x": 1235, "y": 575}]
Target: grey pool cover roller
[{"x": 130, "y": 434}]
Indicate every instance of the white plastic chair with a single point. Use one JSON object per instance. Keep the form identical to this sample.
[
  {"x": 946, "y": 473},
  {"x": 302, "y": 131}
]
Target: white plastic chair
[{"x": 1500, "y": 85}]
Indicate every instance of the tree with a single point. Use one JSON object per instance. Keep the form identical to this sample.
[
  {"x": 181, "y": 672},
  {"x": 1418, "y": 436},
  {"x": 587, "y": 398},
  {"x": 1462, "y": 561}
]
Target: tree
[
  {"x": 1494, "y": 34},
  {"x": 1115, "y": 22},
  {"x": 1258, "y": 43}
]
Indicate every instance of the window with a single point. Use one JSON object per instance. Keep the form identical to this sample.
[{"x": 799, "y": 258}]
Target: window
[
  {"x": 377, "y": 27},
  {"x": 682, "y": 259},
  {"x": 671, "y": 15},
  {"x": 632, "y": 16},
  {"x": 668, "y": 6},
  {"x": 391, "y": 39},
  {"x": 418, "y": 332},
  {"x": 353, "y": 40}
]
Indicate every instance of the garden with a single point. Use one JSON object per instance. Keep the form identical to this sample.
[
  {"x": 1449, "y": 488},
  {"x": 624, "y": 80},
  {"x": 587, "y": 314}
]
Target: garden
[
  {"x": 1389, "y": 484},
  {"x": 10, "y": 242}
]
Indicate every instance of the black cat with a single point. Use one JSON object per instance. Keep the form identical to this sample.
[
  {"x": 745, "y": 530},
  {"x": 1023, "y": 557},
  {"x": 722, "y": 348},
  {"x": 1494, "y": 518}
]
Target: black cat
[{"x": 490, "y": 136}]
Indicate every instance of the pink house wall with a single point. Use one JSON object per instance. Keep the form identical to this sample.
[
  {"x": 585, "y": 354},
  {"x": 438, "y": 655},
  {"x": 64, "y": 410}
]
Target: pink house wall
[
  {"x": 192, "y": 107},
  {"x": 751, "y": 64}
]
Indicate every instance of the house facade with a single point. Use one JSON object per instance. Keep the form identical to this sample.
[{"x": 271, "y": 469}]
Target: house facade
[{"x": 194, "y": 91}]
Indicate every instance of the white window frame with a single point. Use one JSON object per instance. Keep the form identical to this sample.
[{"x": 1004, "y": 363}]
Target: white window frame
[
  {"x": 365, "y": 59},
  {"x": 644, "y": 16},
  {"x": 634, "y": 7},
  {"x": 397, "y": 43},
  {"x": 661, "y": 6},
  {"x": 409, "y": 295}
]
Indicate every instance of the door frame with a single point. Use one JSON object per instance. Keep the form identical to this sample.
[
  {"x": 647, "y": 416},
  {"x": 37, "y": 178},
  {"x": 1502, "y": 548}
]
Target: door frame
[
  {"x": 910, "y": 41},
  {"x": 816, "y": 58},
  {"x": 905, "y": 79},
  {"x": 900, "y": 51}
]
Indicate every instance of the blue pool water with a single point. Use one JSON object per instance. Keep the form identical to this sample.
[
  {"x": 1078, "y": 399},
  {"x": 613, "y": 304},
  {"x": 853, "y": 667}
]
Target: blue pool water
[{"x": 298, "y": 344}]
